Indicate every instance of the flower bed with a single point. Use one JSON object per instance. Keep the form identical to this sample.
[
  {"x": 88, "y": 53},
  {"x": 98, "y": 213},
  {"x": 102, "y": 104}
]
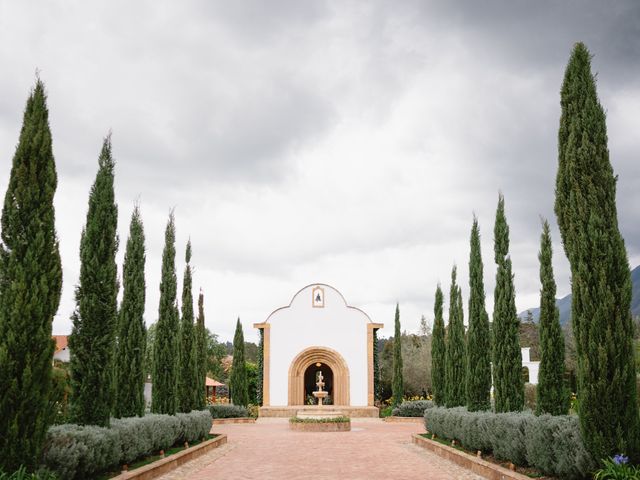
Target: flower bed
[{"x": 331, "y": 424}]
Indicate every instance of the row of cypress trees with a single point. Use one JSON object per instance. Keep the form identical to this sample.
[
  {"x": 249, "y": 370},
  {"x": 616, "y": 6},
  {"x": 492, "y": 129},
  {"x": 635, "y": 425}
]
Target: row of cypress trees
[
  {"x": 586, "y": 211},
  {"x": 107, "y": 344},
  {"x": 463, "y": 364}
]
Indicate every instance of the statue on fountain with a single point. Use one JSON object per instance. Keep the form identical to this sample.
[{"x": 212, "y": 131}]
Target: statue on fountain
[{"x": 320, "y": 394}]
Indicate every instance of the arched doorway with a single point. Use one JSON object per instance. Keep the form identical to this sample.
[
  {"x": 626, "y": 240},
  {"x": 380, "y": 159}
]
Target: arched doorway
[
  {"x": 311, "y": 380},
  {"x": 306, "y": 362}
]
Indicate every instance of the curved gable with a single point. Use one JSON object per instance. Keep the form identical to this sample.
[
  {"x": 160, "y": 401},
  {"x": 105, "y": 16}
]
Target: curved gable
[{"x": 319, "y": 299}]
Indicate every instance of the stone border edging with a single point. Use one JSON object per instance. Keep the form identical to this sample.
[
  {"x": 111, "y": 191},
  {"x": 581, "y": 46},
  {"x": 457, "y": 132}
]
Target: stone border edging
[
  {"x": 165, "y": 465},
  {"x": 393, "y": 419},
  {"x": 477, "y": 465},
  {"x": 222, "y": 421},
  {"x": 320, "y": 426}
]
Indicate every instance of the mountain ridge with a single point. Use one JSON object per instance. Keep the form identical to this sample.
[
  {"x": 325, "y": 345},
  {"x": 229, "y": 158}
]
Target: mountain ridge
[{"x": 564, "y": 303}]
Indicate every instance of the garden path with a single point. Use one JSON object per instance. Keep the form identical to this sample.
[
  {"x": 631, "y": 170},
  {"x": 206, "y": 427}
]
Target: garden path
[{"x": 269, "y": 450}]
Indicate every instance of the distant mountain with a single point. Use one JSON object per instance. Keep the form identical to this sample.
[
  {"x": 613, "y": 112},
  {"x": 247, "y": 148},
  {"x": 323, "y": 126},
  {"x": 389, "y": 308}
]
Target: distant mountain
[{"x": 564, "y": 303}]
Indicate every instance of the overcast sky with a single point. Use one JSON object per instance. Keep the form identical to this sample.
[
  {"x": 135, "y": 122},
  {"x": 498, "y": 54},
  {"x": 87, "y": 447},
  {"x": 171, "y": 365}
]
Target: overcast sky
[{"x": 346, "y": 143}]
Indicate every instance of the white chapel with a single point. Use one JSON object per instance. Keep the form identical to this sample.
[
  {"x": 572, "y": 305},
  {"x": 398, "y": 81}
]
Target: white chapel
[{"x": 318, "y": 332}]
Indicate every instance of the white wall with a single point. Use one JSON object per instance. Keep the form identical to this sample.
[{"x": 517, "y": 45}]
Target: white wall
[{"x": 336, "y": 326}]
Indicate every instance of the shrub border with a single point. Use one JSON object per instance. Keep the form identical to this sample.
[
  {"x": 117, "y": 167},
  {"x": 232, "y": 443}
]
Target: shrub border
[
  {"x": 165, "y": 465},
  {"x": 477, "y": 465},
  {"x": 222, "y": 421}
]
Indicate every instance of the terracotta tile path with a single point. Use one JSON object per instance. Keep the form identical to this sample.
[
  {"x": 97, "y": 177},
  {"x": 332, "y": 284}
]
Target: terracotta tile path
[{"x": 269, "y": 450}]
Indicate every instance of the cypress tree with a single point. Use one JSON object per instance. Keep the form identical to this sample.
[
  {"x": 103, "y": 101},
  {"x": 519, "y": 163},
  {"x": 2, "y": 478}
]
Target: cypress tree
[
  {"x": 92, "y": 341},
  {"x": 479, "y": 341},
  {"x": 551, "y": 394},
  {"x": 165, "y": 346},
  {"x": 456, "y": 349},
  {"x": 585, "y": 206},
  {"x": 201, "y": 355},
  {"x": 188, "y": 388},
  {"x": 130, "y": 375},
  {"x": 438, "y": 352},
  {"x": 507, "y": 356},
  {"x": 397, "y": 381},
  {"x": 239, "y": 381},
  {"x": 30, "y": 284}
]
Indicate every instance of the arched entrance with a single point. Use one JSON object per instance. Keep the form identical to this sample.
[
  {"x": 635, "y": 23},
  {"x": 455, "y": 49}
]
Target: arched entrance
[
  {"x": 305, "y": 362},
  {"x": 311, "y": 380}
]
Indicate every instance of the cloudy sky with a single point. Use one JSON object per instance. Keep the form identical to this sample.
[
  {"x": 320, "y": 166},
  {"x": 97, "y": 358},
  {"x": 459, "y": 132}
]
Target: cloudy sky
[{"x": 348, "y": 143}]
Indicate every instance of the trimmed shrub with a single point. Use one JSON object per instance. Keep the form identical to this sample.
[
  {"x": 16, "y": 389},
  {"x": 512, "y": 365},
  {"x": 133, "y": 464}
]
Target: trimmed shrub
[
  {"x": 413, "y": 408},
  {"x": 194, "y": 425},
  {"x": 75, "y": 451},
  {"x": 551, "y": 444},
  {"x": 228, "y": 411},
  {"x": 508, "y": 436}
]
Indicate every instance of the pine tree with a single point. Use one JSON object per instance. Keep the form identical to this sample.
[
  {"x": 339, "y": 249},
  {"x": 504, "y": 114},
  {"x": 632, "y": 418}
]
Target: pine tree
[
  {"x": 551, "y": 394},
  {"x": 239, "y": 381},
  {"x": 188, "y": 388},
  {"x": 165, "y": 346},
  {"x": 479, "y": 340},
  {"x": 507, "y": 356},
  {"x": 130, "y": 374},
  {"x": 455, "y": 364},
  {"x": 438, "y": 352},
  {"x": 201, "y": 355},
  {"x": 600, "y": 279},
  {"x": 92, "y": 341},
  {"x": 30, "y": 284}
]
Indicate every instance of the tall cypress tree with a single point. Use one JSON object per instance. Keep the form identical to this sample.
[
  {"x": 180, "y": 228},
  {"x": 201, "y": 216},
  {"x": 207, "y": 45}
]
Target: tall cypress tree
[
  {"x": 201, "y": 355},
  {"x": 95, "y": 318},
  {"x": 398, "y": 380},
  {"x": 165, "y": 346},
  {"x": 551, "y": 394},
  {"x": 239, "y": 382},
  {"x": 438, "y": 351},
  {"x": 188, "y": 367},
  {"x": 456, "y": 349},
  {"x": 507, "y": 356},
  {"x": 130, "y": 375},
  {"x": 30, "y": 284},
  {"x": 479, "y": 341},
  {"x": 600, "y": 278}
]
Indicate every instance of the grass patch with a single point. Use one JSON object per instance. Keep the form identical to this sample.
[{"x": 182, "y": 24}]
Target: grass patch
[
  {"x": 320, "y": 420},
  {"x": 153, "y": 458}
]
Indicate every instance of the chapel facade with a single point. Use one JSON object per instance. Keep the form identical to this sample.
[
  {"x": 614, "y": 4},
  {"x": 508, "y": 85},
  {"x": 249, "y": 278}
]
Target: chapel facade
[{"x": 317, "y": 332}]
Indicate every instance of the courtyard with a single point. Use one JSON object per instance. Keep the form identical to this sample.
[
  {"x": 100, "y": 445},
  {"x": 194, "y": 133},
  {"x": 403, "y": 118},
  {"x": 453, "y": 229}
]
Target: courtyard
[{"x": 372, "y": 450}]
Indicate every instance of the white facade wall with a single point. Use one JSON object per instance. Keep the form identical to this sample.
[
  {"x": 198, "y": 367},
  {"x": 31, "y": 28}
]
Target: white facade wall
[
  {"x": 534, "y": 367},
  {"x": 336, "y": 326}
]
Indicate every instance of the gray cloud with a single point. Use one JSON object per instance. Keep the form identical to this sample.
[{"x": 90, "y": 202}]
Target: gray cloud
[{"x": 342, "y": 142}]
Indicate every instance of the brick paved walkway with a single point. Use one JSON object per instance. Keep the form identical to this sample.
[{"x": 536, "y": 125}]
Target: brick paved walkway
[{"x": 372, "y": 450}]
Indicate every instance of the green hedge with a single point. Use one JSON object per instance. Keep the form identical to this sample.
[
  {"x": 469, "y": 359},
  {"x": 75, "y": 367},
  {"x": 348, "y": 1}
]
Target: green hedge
[
  {"x": 228, "y": 411},
  {"x": 75, "y": 451},
  {"x": 551, "y": 444},
  {"x": 414, "y": 408}
]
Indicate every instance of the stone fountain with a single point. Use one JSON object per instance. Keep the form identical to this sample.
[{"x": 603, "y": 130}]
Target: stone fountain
[{"x": 321, "y": 411}]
